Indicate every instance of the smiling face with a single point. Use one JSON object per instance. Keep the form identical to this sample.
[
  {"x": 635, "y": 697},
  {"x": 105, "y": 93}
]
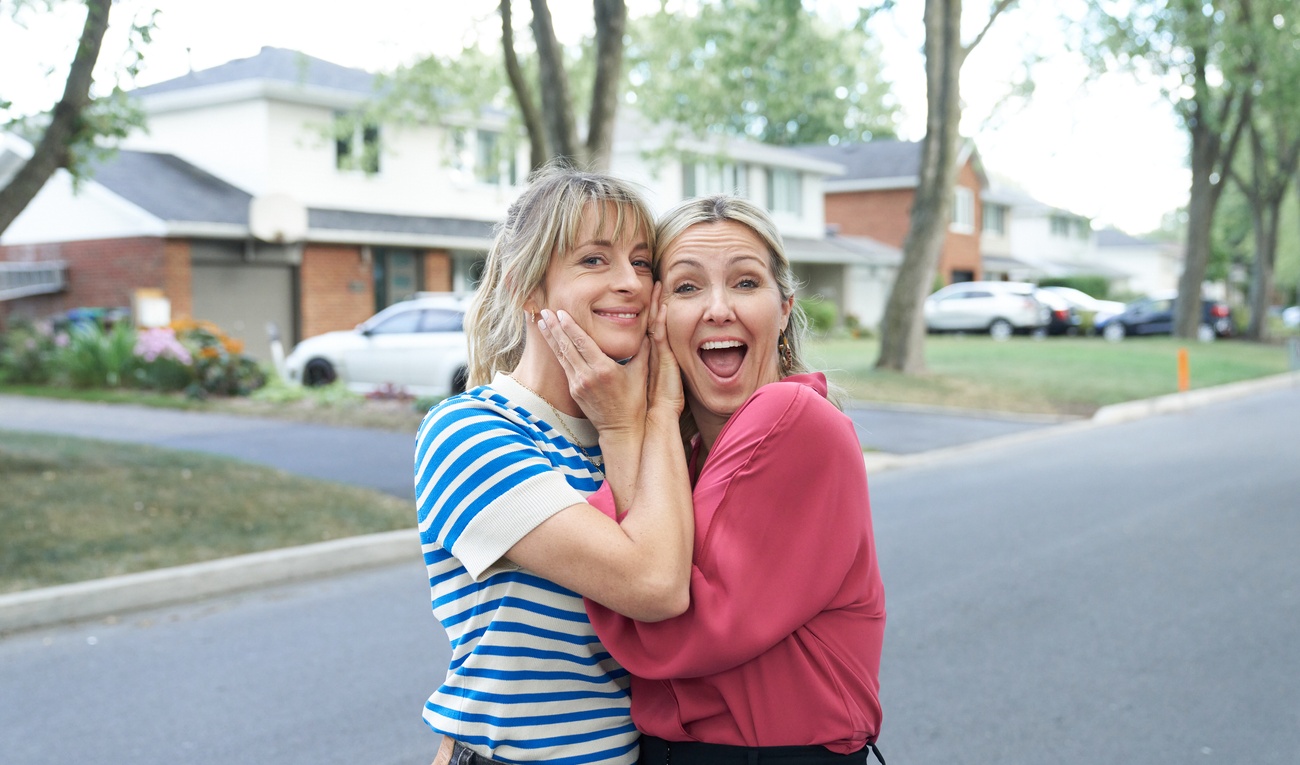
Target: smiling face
[
  {"x": 603, "y": 282},
  {"x": 725, "y": 315}
]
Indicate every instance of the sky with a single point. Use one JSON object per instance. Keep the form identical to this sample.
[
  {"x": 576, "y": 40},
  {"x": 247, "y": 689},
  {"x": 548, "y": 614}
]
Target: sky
[{"x": 1106, "y": 147}]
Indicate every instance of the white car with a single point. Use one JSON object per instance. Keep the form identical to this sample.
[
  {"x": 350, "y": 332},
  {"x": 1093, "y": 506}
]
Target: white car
[
  {"x": 999, "y": 308},
  {"x": 417, "y": 346},
  {"x": 1101, "y": 310}
]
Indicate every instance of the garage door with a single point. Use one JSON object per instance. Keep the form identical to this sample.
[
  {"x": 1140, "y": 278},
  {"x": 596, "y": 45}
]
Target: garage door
[{"x": 243, "y": 299}]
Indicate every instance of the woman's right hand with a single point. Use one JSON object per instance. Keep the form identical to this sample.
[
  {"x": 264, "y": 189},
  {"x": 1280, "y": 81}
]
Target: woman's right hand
[{"x": 664, "y": 390}]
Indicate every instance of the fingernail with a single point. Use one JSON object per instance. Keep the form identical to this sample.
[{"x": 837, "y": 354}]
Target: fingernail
[{"x": 541, "y": 324}]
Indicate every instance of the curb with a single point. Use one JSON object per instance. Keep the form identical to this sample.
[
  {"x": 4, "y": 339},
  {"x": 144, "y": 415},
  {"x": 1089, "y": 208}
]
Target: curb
[
  {"x": 98, "y": 598},
  {"x": 161, "y": 587},
  {"x": 1107, "y": 415}
]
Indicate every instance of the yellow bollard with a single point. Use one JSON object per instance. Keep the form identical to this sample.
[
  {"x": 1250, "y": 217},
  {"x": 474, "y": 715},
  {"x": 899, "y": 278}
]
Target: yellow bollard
[{"x": 1184, "y": 374}]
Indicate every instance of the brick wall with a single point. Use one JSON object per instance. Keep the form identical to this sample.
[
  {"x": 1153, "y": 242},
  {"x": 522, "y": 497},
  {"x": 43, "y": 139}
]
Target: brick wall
[
  {"x": 882, "y": 215},
  {"x": 102, "y": 273},
  {"x": 337, "y": 288},
  {"x": 961, "y": 252},
  {"x": 437, "y": 271},
  {"x": 178, "y": 280}
]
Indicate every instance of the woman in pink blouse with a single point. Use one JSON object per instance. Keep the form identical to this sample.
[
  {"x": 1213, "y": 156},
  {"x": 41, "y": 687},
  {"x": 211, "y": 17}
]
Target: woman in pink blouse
[{"x": 777, "y": 658}]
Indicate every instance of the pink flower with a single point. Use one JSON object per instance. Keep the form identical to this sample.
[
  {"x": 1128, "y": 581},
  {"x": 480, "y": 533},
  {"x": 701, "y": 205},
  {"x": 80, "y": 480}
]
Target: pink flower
[{"x": 151, "y": 344}]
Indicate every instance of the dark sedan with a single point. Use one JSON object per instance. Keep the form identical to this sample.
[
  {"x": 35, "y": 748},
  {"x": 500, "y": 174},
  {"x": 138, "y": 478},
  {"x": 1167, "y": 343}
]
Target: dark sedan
[{"x": 1154, "y": 315}]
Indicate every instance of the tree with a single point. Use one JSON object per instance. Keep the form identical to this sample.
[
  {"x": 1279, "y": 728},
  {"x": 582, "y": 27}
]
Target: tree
[
  {"x": 70, "y": 135},
  {"x": 1273, "y": 140},
  {"x": 1202, "y": 52},
  {"x": 775, "y": 72},
  {"x": 770, "y": 71},
  {"x": 902, "y": 330}
]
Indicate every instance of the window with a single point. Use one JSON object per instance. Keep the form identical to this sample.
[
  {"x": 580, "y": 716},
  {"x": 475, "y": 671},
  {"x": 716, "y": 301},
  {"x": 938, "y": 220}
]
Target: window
[
  {"x": 397, "y": 274},
  {"x": 784, "y": 190},
  {"x": 994, "y": 219},
  {"x": 485, "y": 156},
  {"x": 700, "y": 178},
  {"x": 1060, "y": 226},
  {"x": 442, "y": 320},
  {"x": 356, "y": 146},
  {"x": 963, "y": 210}
]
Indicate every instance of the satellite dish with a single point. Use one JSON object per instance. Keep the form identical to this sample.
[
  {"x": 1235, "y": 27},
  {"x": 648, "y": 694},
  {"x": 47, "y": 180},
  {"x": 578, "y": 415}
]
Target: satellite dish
[{"x": 277, "y": 218}]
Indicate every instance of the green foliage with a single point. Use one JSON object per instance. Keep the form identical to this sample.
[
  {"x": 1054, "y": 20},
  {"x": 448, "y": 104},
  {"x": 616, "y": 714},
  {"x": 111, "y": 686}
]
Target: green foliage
[
  {"x": 821, "y": 313},
  {"x": 25, "y": 354},
  {"x": 774, "y": 72},
  {"x": 220, "y": 367},
  {"x": 97, "y": 358},
  {"x": 1096, "y": 286}
]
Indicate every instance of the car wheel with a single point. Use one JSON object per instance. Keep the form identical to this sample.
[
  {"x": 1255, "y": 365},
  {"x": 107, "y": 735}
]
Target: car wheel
[
  {"x": 1113, "y": 332},
  {"x": 1000, "y": 329},
  {"x": 1205, "y": 333},
  {"x": 318, "y": 372},
  {"x": 458, "y": 380}
]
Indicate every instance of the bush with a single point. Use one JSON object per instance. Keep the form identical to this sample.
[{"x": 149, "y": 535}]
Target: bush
[
  {"x": 1096, "y": 286},
  {"x": 26, "y": 352},
  {"x": 821, "y": 314},
  {"x": 97, "y": 358}
]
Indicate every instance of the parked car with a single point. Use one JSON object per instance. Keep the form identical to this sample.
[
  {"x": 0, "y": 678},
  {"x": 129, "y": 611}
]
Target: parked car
[
  {"x": 417, "y": 346},
  {"x": 1154, "y": 315},
  {"x": 1062, "y": 317},
  {"x": 1291, "y": 317},
  {"x": 999, "y": 308},
  {"x": 1091, "y": 310}
]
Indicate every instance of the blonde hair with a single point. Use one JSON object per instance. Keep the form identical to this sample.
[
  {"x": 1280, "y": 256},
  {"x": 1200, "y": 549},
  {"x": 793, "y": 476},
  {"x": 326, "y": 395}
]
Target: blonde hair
[
  {"x": 719, "y": 208},
  {"x": 543, "y": 221}
]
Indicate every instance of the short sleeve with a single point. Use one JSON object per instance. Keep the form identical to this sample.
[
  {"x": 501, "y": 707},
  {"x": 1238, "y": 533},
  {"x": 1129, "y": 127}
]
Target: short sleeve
[{"x": 482, "y": 483}]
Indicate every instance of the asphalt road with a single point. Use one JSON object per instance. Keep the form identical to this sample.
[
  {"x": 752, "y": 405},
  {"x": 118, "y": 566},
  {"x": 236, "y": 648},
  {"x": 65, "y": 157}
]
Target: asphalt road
[
  {"x": 382, "y": 459},
  {"x": 1127, "y": 593}
]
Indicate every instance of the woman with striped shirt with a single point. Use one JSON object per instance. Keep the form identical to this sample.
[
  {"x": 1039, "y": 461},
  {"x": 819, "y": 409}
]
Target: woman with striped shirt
[{"x": 504, "y": 472}]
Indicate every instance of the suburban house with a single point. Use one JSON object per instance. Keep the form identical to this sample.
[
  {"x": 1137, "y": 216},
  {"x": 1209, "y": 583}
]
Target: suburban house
[
  {"x": 873, "y": 198},
  {"x": 244, "y": 204},
  {"x": 1147, "y": 266}
]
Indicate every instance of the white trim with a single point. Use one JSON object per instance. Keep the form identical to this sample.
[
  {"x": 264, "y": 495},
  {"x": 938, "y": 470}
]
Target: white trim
[
  {"x": 872, "y": 184},
  {"x": 248, "y": 90},
  {"x": 395, "y": 239}
]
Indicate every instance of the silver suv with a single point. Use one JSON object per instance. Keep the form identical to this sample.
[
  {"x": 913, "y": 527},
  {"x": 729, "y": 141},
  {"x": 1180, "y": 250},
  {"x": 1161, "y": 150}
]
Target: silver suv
[{"x": 999, "y": 308}]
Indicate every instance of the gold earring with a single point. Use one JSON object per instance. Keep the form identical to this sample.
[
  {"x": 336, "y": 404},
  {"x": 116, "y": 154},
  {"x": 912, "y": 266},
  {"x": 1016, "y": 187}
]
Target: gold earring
[{"x": 785, "y": 350}]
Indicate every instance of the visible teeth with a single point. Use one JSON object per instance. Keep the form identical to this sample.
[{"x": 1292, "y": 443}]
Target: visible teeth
[
  {"x": 714, "y": 345},
  {"x": 621, "y": 315}
]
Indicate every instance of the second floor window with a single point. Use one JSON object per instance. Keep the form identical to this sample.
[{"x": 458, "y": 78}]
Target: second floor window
[
  {"x": 702, "y": 178},
  {"x": 356, "y": 147},
  {"x": 485, "y": 156},
  {"x": 963, "y": 210},
  {"x": 994, "y": 219},
  {"x": 784, "y": 191}
]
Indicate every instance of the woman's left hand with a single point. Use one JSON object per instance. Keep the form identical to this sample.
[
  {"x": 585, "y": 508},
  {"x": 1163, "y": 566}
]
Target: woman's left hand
[{"x": 612, "y": 395}]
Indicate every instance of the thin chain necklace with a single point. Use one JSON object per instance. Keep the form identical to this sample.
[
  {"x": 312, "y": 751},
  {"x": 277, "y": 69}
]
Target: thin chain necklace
[{"x": 559, "y": 419}]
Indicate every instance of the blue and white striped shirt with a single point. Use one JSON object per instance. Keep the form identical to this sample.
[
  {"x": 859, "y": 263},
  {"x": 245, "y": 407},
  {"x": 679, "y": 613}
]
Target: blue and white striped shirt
[{"x": 529, "y": 680}]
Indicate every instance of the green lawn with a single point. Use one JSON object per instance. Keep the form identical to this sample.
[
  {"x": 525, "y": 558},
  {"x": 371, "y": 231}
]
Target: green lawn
[
  {"x": 1060, "y": 375},
  {"x": 74, "y": 509}
]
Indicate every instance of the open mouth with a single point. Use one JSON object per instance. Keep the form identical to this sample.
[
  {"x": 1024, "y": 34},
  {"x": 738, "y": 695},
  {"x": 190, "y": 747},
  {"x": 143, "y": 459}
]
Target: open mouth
[{"x": 723, "y": 357}]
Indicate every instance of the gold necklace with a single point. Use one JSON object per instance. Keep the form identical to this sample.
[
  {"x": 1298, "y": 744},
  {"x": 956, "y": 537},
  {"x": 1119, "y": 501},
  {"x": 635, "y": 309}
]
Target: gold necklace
[{"x": 559, "y": 419}]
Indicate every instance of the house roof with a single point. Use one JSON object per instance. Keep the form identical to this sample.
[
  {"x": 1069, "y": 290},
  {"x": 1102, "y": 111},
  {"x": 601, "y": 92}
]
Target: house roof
[
  {"x": 883, "y": 164},
  {"x": 171, "y": 189},
  {"x": 1113, "y": 237},
  {"x": 176, "y": 192},
  {"x": 274, "y": 64},
  {"x": 848, "y": 250}
]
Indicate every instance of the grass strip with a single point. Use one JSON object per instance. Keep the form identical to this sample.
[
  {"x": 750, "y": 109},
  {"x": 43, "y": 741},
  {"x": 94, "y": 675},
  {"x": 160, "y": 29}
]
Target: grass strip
[{"x": 75, "y": 509}]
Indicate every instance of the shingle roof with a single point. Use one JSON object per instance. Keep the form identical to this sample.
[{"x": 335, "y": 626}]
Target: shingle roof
[
  {"x": 352, "y": 220},
  {"x": 276, "y": 64},
  {"x": 171, "y": 189},
  {"x": 1113, "y": 237},
  {"x": 872, "y": 159}
]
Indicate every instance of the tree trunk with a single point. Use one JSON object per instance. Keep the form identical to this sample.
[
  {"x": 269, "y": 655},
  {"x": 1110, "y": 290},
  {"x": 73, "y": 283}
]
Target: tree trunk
[
  {"x": 611, "y": 24},
  {"x": 902, "y": 338},
  {"x": 52, "y": 152},
  {"x": 1265, "y": 219},
  {"x": 557, "y": 103},
  {"x": 538, "y": 152}
]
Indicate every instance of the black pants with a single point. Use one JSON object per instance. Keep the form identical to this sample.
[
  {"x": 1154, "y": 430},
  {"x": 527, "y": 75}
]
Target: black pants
[{"x": 657, "y": 751}]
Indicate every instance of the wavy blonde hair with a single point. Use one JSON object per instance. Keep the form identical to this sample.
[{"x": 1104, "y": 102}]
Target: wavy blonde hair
[{"x": 543, "y": 221}]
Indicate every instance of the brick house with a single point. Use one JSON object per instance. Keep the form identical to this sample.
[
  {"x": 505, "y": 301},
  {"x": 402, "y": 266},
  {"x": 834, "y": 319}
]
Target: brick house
[{"x": 873, "y": 198}]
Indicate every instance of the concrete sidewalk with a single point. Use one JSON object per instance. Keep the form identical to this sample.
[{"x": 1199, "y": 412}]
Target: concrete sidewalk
[{"x": 382, "y": 460}]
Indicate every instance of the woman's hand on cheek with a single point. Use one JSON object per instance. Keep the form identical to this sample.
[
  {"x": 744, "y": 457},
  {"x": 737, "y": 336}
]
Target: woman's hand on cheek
[
  {"x": 665, "y": 388},
  {"x": 612, "y": 395}
]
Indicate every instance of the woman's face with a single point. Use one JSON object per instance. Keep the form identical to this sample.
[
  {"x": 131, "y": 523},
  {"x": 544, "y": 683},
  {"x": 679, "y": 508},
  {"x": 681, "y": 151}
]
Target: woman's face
[
  {"x": 604, "y": 283},
  {"x": 725, "y": 315}
]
